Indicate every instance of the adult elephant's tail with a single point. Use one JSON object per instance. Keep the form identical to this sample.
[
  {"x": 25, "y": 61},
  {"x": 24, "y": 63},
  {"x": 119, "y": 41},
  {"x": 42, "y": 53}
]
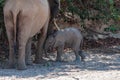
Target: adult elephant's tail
[
  {"x": 11, "y": 22},
  {"x": 14, "y": 17}
]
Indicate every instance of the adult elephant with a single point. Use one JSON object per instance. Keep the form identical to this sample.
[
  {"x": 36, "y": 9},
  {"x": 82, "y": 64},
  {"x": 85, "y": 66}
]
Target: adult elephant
[
  {"x": 54, "y": 9},
  {"x": 23, "y": 19}
]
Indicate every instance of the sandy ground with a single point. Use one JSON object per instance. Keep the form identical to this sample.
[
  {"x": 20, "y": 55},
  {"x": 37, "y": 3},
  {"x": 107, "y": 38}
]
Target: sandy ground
[{"x": 97, "y": 66}]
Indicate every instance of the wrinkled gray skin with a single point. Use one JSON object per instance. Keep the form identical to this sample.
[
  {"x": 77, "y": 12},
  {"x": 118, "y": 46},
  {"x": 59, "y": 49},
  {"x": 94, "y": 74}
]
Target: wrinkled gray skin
[
  {"x": 65, "y": 38},
  {"x": 54, "y": 9},
  {"x": 23, "y": 19}
]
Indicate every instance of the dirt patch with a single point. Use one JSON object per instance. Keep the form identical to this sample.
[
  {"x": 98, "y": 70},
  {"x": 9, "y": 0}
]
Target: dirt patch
[{"x": 98, "y": 65}]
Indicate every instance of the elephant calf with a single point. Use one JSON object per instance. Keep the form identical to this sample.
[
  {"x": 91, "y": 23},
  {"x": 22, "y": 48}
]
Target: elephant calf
[{"x": 65, "y": 38}]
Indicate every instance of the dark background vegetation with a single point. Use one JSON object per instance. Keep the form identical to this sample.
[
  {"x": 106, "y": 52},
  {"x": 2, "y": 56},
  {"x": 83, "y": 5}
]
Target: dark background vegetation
[{"x": 98, "y": 11}]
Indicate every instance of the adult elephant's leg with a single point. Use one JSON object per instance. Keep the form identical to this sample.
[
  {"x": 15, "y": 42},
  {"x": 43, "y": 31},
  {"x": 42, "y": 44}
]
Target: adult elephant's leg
[
  {"x": 23, "y": 37},
  {"x": 28, "y": 58},
  {"x": 39, "y": 53},
  {"x": 21, "y": 52},
  {"x": 11, "y": 50},
  {"x": 10, "y": 31}
]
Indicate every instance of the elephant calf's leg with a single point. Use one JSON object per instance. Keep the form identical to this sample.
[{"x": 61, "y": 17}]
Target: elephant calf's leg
[
  {"x": 82, "y": 55},
  {"x": 77, "y": 55},
  {"x": 60, "y": 51},
  {"x": 76, "y": 50}
]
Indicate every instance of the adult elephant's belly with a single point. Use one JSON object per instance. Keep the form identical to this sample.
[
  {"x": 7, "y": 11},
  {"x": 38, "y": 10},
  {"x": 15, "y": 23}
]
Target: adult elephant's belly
[
  {"x": 37, "y": 25},
  {"x": 39, "y": 20}
]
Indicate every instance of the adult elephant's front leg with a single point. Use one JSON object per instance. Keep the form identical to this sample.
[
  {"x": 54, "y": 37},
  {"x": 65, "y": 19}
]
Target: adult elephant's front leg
[
  {"x": 39, "y": 52},
  {"x": 40, "y": 44}
]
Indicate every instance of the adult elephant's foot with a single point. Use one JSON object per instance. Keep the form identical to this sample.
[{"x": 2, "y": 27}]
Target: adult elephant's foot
[
  {"x": 29, "y": 63},
  {"x": 10, "y": 66},
  {"x": 40, "y": 61},
  {"x": 21, "y": 66}
]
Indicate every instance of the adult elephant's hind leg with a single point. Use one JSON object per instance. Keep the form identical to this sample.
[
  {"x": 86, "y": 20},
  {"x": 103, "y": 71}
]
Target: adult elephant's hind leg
[
  {"x": 39, "y": 53},
  {"x": 28, "y": 58},
  {"x": 10, "y": 31},
  {"x": 11, "y": 63},
  {"x": 21, "y": 54},
  {"x": 23, "y": 37}
]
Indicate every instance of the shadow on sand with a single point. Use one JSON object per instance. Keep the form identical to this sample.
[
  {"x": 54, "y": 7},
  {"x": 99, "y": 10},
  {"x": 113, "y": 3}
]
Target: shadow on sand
[{"x": 95, "y": 62}]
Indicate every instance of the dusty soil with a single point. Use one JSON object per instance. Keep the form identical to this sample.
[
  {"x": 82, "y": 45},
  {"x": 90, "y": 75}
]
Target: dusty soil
[{"x": 99, "y": 65}]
